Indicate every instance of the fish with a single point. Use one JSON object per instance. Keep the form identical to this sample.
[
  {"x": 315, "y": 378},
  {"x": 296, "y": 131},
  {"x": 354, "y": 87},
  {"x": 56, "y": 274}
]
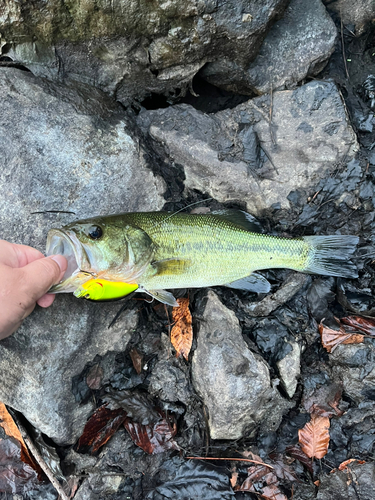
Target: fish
[{"x": 153, "y": 252}]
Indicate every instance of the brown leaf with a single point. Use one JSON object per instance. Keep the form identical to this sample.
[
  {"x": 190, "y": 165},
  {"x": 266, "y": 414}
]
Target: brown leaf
[
  {"x": 365, "y": 325},
  {"x": 95, "y": 376},
  {"x": 314, "y": 437},
  {"x": 317, "y": 483},
  {"x": 297, "y": 453},
  {"x": 264, "y": 482},
  {"x": 153, "y": 438},
  {"x": 182, "y": 330},
  {"x": 332, "y": 338},
  {"x": 137, "y": 360},
  {"x": 11, "y": 429},
  {"x": 99, "y": 428},
  {"x": 234, "y": 479}
]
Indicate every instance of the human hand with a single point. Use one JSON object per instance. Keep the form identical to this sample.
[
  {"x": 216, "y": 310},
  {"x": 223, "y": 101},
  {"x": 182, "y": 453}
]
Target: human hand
[{"x": 25, "y": 277}]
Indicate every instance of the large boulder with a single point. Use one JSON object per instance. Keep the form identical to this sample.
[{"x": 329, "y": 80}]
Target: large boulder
[
  {"x": 234, "y": 383},
  {"x": 260, "y": 151},
  {"x": 68, "y": 149},
  {"x": 360, "y": 13},
  {"x": 131, "y": 48},
  {"x": 297, "y": 46}
]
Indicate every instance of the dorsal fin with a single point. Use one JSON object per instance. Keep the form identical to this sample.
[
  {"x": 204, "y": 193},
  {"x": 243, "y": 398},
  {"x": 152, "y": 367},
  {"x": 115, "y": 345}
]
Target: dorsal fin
[{"x": 241, "y": 218}]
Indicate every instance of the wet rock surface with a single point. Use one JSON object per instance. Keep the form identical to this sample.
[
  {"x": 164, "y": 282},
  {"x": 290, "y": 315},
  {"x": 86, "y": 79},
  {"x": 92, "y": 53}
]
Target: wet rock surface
[
  {"x": 358, "y": 15},
  {"x": 71, "y": 150},
  {"x": 297, "y": 46},
  {"x": 234, "y": 384},
  {"x": 243, "y": 155},
  {"x": 357, "y": 482},
  {"x": 129, "y": 48}
]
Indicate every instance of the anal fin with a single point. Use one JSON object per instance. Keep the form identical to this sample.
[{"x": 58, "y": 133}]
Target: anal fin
[{"x": 253, "y": 283}]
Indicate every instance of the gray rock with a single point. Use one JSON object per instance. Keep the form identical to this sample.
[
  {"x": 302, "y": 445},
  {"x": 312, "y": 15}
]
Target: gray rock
[
  {"x": 297, "y": 46},
  {"x": 290, "y": 368},
  {"x": 52, "y": 346},
  {"x": 169, "y": 380},
  {"x": 360, "y": 13},
  {"x": 235, "y": 385},
  {"x": 353, "y": 365},
  {"x": 360, "y": 483},
  {"x": 308, "y": 135},
  {"x": 131, "y": 48},
  {"x": 63, "y": 149},
  {"x": 271, "y": 302}
]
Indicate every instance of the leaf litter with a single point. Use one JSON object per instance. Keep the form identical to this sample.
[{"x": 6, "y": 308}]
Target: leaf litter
[{"x": 352, "y": 330}]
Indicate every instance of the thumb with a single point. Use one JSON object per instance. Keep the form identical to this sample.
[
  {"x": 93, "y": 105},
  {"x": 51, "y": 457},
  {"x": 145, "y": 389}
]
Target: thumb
[{"x": 41, "y": 274}]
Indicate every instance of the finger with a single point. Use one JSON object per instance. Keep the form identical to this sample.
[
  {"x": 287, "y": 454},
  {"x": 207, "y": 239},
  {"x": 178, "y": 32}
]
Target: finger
[
  {"x": 40, "y": 275},
  {"x": 14, "y": 255},
  {"x": 46, "y": 300},
  {"x": 26, "y": 255}
]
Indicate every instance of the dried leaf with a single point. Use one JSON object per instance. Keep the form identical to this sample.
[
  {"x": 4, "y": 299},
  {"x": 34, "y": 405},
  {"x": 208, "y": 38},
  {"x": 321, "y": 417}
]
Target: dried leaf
[
  {"x": 365, "y": 325},
  {"x": 317, "y": 483},
  {"x": 196, "y": 480},
  {"x": 264, "y": 482},
  {"x": 137, "y": 360},
  {"x": 16, "y": 476},
  {"x": 314, "y": 437},
  {"x": 99, "y": 428},
  {"x": 345, "y": 464},
  {"x": 138, "y": 405},
  {"x": 234, "y": 479},
  {"x": 298, "y": 454},
  {"x": 11, "y": 429},
  {"x": 182, "y": 330},
  {"x": 95, "y": 376},
  {"x": 153, "y": 439},
  {"x": 332, "y": 338}
]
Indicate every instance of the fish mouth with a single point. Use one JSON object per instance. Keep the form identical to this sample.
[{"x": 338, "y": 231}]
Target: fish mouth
[{"x": 68, "y": 245}]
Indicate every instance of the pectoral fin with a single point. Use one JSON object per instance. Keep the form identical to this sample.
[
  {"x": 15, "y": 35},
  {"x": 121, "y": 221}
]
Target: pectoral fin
[
  {"x": 162, "y": 296},
  {"x": 253, "y": 283},
  {"x": 171, "y": 267}
]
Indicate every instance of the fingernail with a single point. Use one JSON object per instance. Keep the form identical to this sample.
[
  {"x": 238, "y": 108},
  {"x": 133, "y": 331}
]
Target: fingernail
[{"x": 61, "y": 262}]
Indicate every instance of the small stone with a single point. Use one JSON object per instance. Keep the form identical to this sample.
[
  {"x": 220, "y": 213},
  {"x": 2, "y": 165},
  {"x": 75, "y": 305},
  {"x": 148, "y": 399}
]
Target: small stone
[
  {"x": 247, "y": 18},
  {"x": 290, "y": 369}
]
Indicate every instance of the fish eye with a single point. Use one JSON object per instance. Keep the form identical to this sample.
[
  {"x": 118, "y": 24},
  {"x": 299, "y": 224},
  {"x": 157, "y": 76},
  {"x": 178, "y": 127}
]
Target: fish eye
[{"x": 95, "y": 232}]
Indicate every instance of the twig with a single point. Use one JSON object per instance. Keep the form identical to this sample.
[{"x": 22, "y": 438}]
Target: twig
[
  {"x": 271, "y": 107},
  {"x": 343, "y": 46},
  {"x": 41, "y": 462},
  {"x": 232, "y": 459}
]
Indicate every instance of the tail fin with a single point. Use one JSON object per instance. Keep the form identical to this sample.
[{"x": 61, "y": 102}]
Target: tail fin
[{"x": 330, "y": 255}]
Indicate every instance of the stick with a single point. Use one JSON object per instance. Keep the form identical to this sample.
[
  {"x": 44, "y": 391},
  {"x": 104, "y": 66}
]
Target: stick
[
  {"x": 232, "y": 459},
  {"x": 343, "y": 46},
  {"x": 41, "y": 462}
]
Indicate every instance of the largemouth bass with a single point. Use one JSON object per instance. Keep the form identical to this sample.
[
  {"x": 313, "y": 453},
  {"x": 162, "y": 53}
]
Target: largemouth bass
[{"x": 158, "y": 250}]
